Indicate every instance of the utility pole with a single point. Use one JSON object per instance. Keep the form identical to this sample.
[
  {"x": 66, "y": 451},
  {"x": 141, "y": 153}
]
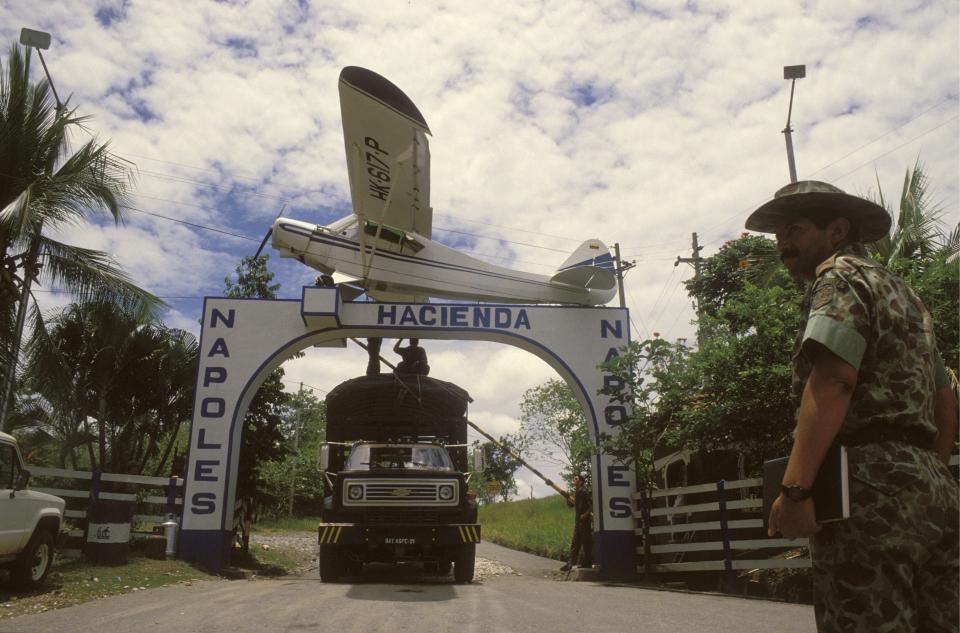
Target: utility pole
[
  {"x": 694, "y": 259},
  {"x": 622, "y": 267}
]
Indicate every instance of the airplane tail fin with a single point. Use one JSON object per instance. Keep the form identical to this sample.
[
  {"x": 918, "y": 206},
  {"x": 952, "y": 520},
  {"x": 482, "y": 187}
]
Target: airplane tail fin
[{"x": 590, "y": 266}]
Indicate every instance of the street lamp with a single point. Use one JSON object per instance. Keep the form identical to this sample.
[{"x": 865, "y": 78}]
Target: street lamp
[
  {"x": 39, "y": 41},
  {"x": 792, "y": 73}
]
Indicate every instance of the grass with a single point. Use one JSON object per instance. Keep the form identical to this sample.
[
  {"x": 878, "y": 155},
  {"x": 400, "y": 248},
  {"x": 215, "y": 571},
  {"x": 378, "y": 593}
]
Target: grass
[
  {"x": 538, "y": 526},
  {"x": 73, "y": 581},
  {"x": 283, "y": 524}
]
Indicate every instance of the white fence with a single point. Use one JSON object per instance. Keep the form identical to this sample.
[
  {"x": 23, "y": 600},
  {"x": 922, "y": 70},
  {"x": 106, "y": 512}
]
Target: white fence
[
  {"x": 722, "y": 530},
  {"x": 89, "y": 487}
]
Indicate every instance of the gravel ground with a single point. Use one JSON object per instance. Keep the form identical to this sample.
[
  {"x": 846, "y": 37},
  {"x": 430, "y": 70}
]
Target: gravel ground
[{"x": 303, "y": 547}]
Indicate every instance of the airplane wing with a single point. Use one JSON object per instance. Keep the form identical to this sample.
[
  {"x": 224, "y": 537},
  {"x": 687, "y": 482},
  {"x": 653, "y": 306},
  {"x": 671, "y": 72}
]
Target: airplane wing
[{"x": 388, "y": 157}]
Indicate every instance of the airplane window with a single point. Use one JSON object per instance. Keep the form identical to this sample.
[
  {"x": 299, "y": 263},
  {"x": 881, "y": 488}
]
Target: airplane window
[{"x": 387, "y": 233}]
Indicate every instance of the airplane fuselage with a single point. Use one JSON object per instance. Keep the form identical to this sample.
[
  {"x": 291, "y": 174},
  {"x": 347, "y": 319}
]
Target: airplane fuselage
[{"x": 408, "y": 266}]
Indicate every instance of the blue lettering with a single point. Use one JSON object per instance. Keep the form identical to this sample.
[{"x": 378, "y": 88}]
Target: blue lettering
[
  {"x": 202, "y": 440},
  {"x": 204, "y": 470},
  {"x": 615, "y": 414},
  {"x": 616, "y": 330},
  {"x": 458, "y": 316},
  {"x": 620, "y": 508},
  {"x": 615, "y": 476},
  {"x": 214, "y": 375},
  {"x": 424, "y": 311},
  {"x": 481, "y": 317},
  {"x": 219, "y": 347},
  {"x": 522, "y": 320},
  {"x": 502, "y": 317},
  {"x": 614, "y": 383},
  {"x": 408, "y": 317},
  {"x": 212, "y": 407},
  {"x": 216, "y": 315},
  {"x": 204, "y": 503},
  {"x": 382, "y": 314},
  {"x": 612, "y": 353},
  {"x": 443, "y": 316}
]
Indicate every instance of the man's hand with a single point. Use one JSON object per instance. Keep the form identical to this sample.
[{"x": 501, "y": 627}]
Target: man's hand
[{"x": 793, "y": 519}]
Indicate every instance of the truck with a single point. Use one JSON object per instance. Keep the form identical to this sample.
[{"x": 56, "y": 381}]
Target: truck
[
  {"x": 395, "y": 468},
  {"x": 29, "y": 521}
]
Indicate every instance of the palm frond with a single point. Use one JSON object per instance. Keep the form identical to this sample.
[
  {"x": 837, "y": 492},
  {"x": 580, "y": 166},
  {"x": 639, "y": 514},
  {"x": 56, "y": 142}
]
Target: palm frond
[{"x": 92, "y": 275}]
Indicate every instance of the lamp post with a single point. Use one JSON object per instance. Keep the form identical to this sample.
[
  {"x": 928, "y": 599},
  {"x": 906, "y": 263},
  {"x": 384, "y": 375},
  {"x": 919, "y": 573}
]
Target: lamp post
[
  {"x": 39, "y": 41},
  {"x": 792, "y": 73}
]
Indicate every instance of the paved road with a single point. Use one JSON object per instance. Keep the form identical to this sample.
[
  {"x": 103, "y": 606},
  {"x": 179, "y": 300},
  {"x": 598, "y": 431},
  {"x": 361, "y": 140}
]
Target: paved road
[{"x": 530, "y": 599}]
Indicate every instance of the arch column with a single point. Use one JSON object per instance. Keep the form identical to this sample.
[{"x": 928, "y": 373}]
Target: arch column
[{"x": 242, "y": 341}]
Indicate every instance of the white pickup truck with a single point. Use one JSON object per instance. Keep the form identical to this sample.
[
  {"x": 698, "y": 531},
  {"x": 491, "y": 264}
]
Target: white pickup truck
[{"x": 29, "y": 521}]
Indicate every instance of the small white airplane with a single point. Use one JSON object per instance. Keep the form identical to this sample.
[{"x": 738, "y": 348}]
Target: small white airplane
[{"x": 385, "y": 244}]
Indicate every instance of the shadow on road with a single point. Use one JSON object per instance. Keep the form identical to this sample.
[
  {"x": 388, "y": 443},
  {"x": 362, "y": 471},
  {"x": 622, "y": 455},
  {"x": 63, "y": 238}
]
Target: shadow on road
[{"x": 398, "y": 583}]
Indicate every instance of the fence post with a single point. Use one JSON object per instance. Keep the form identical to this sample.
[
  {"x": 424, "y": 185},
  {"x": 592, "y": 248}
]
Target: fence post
[
  {"x": 645, "y": 518},
  {"x": 729, "y": 579},
  {"x": 172, "y": 495}
]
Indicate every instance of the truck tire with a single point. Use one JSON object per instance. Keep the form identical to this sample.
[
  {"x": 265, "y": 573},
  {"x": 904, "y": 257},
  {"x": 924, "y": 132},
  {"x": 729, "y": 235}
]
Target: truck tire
[
  {"x": 331, "y": 564},
  {"x": 444, "y": 566},
  {"x": 464, "y": 562},
  {"x": 34, "y": 563}
]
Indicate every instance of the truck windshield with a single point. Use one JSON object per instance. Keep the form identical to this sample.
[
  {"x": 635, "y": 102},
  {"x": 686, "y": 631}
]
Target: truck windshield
[{"x": 372, "y": 457}]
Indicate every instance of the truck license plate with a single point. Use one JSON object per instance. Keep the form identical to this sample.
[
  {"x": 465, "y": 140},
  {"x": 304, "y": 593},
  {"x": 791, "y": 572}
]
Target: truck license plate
[{"x": 399, "y": 540}]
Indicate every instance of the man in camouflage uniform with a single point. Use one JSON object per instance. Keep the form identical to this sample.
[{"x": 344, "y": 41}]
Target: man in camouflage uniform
[{"x": 868, "y": 375}]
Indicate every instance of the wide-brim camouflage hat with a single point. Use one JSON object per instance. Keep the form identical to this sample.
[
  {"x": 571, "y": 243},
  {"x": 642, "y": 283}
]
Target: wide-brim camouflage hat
[{"x": 800, "y": 198}]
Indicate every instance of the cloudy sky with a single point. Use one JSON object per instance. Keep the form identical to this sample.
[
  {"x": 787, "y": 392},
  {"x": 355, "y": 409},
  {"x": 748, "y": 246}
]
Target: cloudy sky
[{"x": 635, "y": 122}]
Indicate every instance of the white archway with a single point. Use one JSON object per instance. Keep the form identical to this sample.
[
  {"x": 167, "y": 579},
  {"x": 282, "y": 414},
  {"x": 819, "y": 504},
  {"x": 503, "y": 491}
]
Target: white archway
[{"x": 243, "y": 340}]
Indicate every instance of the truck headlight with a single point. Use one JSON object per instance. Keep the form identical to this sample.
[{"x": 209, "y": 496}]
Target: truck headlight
[
  {"x": 445, "y": 492},
  {"x": 354, "y": 493}
]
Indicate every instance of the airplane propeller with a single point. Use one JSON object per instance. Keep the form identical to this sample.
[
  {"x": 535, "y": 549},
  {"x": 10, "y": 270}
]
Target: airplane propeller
[{"x": 266, "y": 237}]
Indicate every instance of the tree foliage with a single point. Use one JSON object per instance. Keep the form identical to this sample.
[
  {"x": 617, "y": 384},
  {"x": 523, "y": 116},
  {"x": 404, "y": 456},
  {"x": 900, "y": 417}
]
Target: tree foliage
[
  {"x": 110, "y": 384},
  {"x": 555, "y": 428},
  {"x": 497, "y": 481},
  {"x": 293, "y": 485}
]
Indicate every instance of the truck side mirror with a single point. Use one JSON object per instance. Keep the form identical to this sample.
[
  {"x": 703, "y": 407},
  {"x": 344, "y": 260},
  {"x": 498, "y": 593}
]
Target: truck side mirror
[
  {"x": 324, "y": 457},
  {"x": 478, "y": 461},
  {"x": 23, "y": 478}
]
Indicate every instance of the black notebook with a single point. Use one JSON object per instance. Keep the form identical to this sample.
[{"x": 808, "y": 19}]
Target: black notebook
[{"x": 831, "y": 490}]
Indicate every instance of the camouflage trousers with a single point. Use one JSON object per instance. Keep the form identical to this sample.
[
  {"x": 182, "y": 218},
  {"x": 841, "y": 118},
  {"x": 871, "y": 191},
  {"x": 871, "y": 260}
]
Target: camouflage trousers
[{"x": 893, "y": 566}]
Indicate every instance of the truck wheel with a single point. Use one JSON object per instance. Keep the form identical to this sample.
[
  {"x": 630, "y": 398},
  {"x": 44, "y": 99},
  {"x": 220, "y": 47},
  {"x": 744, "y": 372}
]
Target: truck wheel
[
  {"x": 443, "y": 567},
  {"x": 331, "y": 564},
  {"x": 464, "y": 562},
  {"x": 31, "y": 568}
]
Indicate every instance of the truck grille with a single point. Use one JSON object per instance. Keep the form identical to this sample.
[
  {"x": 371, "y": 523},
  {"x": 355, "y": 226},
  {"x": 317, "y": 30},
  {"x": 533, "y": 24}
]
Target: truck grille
[{"x": 401, "y": 492}]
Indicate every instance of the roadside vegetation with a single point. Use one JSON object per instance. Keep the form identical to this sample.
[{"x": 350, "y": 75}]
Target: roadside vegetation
[{"x": 538, "y": 526}]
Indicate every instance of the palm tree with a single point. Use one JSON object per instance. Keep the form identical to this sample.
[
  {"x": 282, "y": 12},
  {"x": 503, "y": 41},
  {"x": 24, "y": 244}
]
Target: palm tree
[
  {"x": 45, "y": 185},
  {"x": 112, "y": 382},
  {"x": 925, "y": 255}
]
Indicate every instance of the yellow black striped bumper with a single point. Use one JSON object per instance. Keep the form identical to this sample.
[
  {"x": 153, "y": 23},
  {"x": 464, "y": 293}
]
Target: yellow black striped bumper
[
  {"x": 399, "y": 534},
  {"x": 469, "y": 533}
]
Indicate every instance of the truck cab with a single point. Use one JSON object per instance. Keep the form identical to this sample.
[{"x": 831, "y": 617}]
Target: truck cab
[
  {"x": 29, "y": 521},
  {"x": 396, "y": 481}
]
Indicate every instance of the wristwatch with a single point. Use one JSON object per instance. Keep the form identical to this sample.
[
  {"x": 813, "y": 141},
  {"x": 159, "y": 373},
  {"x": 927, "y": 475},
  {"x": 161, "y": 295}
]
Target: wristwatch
[{"x": 794, "y": 492}]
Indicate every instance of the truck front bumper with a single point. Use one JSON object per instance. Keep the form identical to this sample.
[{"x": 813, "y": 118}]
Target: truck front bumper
[{"x": 400, "y": 534}]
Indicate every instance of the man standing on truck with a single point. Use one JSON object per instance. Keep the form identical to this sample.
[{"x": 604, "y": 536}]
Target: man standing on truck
[
  {"x": 867, "y": 374},
  {"x": 414, "y": 358},
  {"x": 582, "y": 526}
]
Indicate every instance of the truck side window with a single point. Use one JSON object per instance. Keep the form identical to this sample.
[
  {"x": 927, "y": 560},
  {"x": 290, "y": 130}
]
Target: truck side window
[{"x": 7, "y": 466}]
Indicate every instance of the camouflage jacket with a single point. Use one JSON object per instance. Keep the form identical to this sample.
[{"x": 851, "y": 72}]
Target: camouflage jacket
[{"x": 871, "y": 319}]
